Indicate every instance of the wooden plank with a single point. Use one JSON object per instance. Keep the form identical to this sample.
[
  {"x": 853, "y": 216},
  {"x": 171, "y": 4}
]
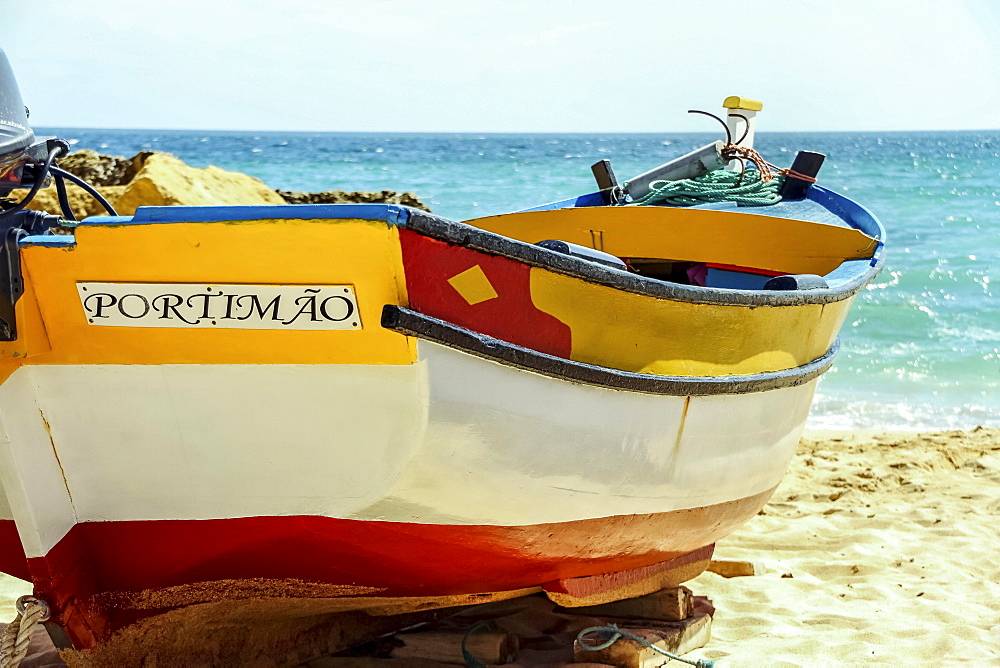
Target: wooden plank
[
  {"x": 674, "y": 637},
  {"x": 599, "y": 589},
  {"x": 604, "y": 175},
  {"x": 606, "y": 179},
  {"x": 374, "y": 662},
  {"x": 446, "y": 647},
  {"x": 671, "y": 605},
  {"x": 734, "y": 568}
]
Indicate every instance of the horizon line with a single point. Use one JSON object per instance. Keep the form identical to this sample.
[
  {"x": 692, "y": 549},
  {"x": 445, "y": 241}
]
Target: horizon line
[{"x": 496, "y": 132}]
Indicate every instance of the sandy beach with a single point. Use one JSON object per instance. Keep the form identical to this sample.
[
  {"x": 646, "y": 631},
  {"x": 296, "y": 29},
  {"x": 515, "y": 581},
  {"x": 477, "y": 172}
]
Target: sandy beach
[{"x": 877, "y": 547}]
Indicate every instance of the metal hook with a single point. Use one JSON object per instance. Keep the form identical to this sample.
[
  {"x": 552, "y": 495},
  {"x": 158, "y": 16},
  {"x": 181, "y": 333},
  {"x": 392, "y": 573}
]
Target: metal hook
[
  {"x": 22, "y": 605},
  {"x": 743, "y": 171}
]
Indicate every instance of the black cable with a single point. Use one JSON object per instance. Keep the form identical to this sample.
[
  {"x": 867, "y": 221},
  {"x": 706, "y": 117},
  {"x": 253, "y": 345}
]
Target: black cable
[
  {"x": 746, "y": 127},
  {"x": 729, "y": 135},
  {"x": 67, "y": 210},
  {"x": 73, "y": 178},
  {"x": 39, "y": 180}
]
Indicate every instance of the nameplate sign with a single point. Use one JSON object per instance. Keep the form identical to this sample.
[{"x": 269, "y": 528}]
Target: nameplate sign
[{"x": 206, "y": 306}]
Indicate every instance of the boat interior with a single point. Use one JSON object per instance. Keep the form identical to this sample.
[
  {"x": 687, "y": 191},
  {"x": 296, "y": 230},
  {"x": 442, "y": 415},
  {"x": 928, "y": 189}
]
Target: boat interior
[{"x": 821, "y": 241}]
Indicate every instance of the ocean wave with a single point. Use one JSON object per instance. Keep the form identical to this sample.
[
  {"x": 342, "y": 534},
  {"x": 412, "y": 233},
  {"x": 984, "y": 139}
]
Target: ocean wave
[{"x": 829, "y": 413}]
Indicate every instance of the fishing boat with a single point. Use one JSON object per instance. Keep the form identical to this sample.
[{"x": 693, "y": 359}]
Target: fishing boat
[{"x": 371, "y": 407}]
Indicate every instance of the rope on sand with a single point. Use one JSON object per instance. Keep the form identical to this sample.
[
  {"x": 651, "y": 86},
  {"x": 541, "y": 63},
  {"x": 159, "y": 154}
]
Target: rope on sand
[
  {"x": 14, "y": 641},
  {"x": 617, "y": 634}
]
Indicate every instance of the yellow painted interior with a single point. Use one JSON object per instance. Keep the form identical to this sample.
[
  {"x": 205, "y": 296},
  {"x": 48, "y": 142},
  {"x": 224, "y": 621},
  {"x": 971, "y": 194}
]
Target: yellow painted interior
[
  {"x": 647, "y": 335},
  {"x": 693, "y": 235},
  {"x": 736, "y": 102},
  {"x": 473, "y": 285},
  {"x": 365, "y": 254}
]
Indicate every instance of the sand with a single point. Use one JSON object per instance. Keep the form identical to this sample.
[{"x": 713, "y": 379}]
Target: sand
[
  {"x": 877, "y": 548},
  {"x": 10, "y": 590}
]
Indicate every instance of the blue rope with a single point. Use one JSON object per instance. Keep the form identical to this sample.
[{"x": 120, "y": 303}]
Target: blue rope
[
  {"x": 617, "y": 634},
  {"x": 470, "y": 659}
]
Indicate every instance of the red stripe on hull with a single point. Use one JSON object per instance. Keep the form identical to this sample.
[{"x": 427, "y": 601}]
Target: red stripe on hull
[
  {"x": 511, "y": 316},
  {"x": 86, "y": 575}
]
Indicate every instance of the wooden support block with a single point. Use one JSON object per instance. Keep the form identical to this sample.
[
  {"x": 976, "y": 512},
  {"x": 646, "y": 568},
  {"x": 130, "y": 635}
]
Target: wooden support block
[
  {"x": 672, "y": 604},
  {"x": 704, "y": 606},
  {"x": 242, "y": 633},
  {"x": 673, "y": 637},
  {"x": 733, "y": 568},
  {"x": 372, "y": 662},
  {"x": 599, "y": 589},
  {"x": 491, "y": 648}
]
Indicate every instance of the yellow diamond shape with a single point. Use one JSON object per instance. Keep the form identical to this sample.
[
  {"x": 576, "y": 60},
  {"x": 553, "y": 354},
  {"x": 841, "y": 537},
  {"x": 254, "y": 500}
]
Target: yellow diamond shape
[{"x": 473, "y": 285}]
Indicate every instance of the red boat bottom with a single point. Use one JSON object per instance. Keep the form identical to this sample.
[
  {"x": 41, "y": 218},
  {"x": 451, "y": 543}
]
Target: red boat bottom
[{"x": 103, "y": 576}]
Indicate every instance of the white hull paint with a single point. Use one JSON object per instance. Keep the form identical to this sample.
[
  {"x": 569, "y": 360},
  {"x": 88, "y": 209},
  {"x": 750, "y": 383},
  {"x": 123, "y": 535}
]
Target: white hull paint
[
  {"x": 6, "y": 513},
  {"x": 452, "y": 439},
  {"x": 510, "y": 447}
]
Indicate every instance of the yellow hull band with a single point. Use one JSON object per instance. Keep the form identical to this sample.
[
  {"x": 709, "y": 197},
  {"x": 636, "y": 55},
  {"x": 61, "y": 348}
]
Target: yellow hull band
[
  {"x": 693, "y": 235},
  {"x": 609, "y": 327},
  {"x": 365, "y": 254},
  {"x": 647, "y": 335}
]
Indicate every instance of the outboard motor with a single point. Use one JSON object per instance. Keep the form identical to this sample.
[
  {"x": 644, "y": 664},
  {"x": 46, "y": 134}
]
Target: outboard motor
[
  {"x": 25, "y": 162},
  {"x": 16, "y": 137}
]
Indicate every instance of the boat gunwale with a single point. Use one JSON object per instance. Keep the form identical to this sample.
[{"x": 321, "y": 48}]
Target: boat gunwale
[
  {"x": 469, "y": 236},
  {"x": 412, "y": 323}
]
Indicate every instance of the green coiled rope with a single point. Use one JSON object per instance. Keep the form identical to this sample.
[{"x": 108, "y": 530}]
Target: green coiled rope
[{"x": 721, "y": 185}]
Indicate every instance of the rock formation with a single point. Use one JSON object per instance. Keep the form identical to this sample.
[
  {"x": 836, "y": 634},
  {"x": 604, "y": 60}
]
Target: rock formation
[
  {"x": 80, "y": 201},
  {"x": 165, "y": 180},
  {"x": 356, "y": 197},
  {"x": 103, "y": 170},
  {"x": 160, "y": 179}
]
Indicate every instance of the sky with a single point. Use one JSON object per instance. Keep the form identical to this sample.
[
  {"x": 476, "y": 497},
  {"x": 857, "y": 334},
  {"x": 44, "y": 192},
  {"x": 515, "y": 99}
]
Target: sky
[{"x": 511, "y": 66}]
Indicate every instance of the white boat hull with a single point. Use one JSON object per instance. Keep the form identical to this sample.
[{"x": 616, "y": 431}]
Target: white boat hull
[{"x": 452, "y": 439}]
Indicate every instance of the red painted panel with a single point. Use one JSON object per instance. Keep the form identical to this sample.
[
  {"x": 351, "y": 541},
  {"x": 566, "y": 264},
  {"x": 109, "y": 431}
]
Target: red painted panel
[{"x": 512, "y": 316}]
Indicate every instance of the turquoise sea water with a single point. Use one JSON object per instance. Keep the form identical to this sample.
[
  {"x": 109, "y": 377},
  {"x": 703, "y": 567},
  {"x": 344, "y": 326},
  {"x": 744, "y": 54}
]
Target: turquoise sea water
[{"x": 921, "y": 347}]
